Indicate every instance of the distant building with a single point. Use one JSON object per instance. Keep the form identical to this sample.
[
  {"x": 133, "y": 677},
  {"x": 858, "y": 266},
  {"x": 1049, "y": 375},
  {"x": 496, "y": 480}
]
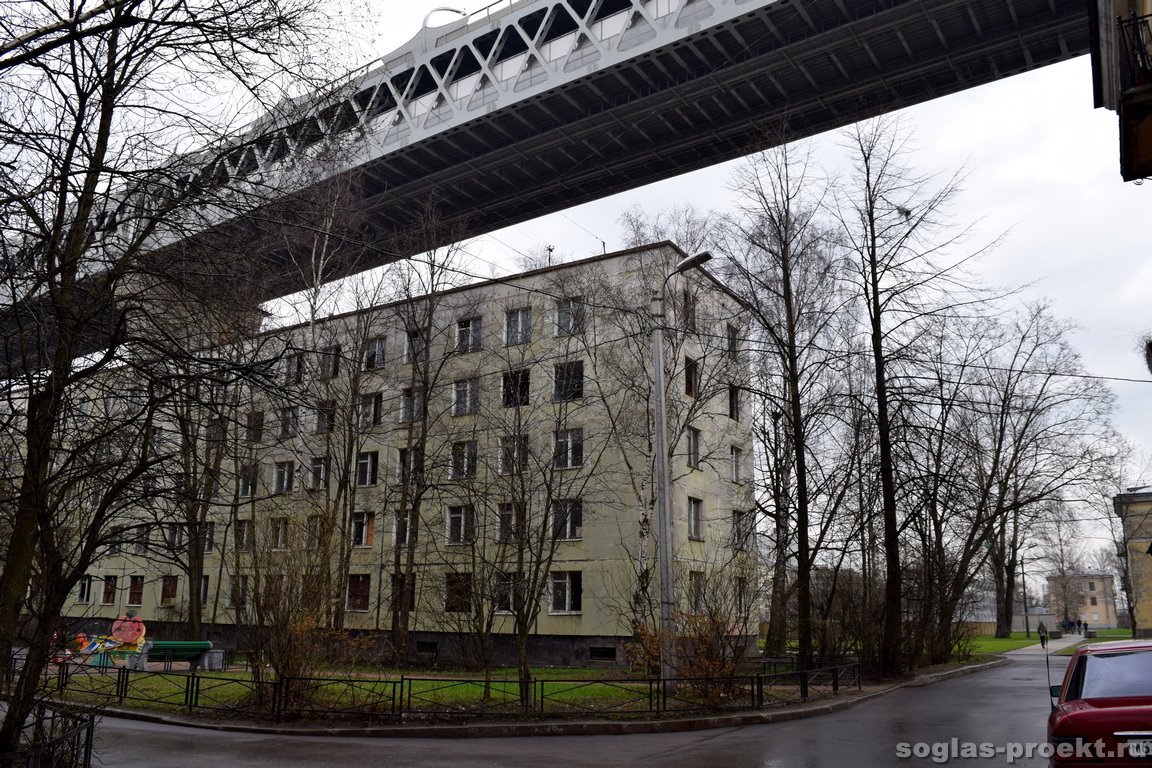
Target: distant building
[{"x": 1089, "y": 597}]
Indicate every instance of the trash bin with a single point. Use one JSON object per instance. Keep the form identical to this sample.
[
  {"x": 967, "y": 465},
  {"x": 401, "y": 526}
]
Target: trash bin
[{"x": 212, "y": 661}]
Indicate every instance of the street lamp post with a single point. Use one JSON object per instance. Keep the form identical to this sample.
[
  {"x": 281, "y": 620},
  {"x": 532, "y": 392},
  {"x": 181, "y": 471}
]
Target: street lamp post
[
  {"x": 427, "y": 16},
  {"x": 663, "y": 481}
]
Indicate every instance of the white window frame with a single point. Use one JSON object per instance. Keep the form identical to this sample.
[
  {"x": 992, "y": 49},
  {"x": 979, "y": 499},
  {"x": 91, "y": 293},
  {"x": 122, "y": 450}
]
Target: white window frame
[
  {"x": 373, "y": 358},
  {"x": 464, "y": 458},
  {"x": 509, "y": 515},
  {"x": 285, "y": 474},
  {"x": 693, "y": 437},
  {"x": 84, "y": 595},
  {"x": 461, "y": 524},
  {"x": 289, "y": 421},
  {"x": 415, "y": 345},
  {"x": 468, "y": 334},
  {"x": 360, "y": 529},
  {"x": 736, "y": 456},
  {"x": 568, "y": 448},
  {"x": 244, "y": 534},
  {"x": 465, "y": 396},
  {"x": 517, "y": 326},
  {"x": 695, "y": 518},
  {"x": 367, "y": 468},
  {"x": 563, "y": 599},
  {"x": 412, "y": 404},
  {"x": 370, "y": 407},
  {"x": 571, "y": 316},
  {"x": 248, "y": 480},
  {"x": 566, "y": 395},
  {"x": 567, "y": 526},
  {"x": 330, "y": 361},
  {"x": 318, "y": 473},
  {"x": 513, "y": 454},
  {"x": 279, "y": 527}
]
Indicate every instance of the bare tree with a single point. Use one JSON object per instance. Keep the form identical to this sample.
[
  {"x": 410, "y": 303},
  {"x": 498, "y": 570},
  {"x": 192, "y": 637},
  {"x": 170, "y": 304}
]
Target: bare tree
[{"x": 90, "y": 190}]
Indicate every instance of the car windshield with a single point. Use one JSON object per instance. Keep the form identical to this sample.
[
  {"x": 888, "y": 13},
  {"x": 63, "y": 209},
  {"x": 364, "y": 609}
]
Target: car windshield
[{"x": 1108, "y": 675}]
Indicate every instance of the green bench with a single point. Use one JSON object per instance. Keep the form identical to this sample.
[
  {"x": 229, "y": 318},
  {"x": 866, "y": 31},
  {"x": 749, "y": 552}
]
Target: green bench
[{"x": 169, "y": 651}]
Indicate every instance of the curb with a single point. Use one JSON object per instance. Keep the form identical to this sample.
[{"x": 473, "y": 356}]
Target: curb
[{"x": 556, "y": 727}]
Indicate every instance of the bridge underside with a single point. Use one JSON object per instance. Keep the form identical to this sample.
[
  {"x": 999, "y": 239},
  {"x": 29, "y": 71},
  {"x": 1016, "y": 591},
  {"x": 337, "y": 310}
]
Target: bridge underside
[{"x": 790, "y": 70}]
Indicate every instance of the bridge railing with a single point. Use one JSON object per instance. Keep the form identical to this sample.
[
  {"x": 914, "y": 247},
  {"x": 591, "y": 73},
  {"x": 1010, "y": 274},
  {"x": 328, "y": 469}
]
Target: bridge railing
[{"x": 54, "y": 738}]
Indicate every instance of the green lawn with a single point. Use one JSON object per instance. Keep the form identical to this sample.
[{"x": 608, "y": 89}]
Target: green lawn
[{"x": 984, "y": 644}]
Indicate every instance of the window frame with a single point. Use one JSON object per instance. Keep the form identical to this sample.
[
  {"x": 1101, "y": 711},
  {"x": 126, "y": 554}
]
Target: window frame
[
  {"x": 571, "y": 317},
  {"x": 693, "y": 438},
  {"x": 569, "y": 586},
  {"x": 284, "y": 476},
  {"x": 517, "y": 326},
  {"x": 362, "y": 529},
  {"x": 566, "y": 386},
  {"x": 695, "y": 519},
  {"x": 568, "y": 448},
  {"x": 362, "y": 593},
  {"x": 367, "y": 468},
  {"x": 466, "y": 396},
  {"x": 469, "y": 332},
  {"x": 513, "y": 454},
  {"x": 460, "y": 523},
  {"x": 516, "y": 388},
  {"x": 373, "y": 357},
  {"x": 567, "y": 526},
  {"x": 691, "y": 377},
  {"x": 464, "y": 459},
  {"x": 135, "y": 591}
]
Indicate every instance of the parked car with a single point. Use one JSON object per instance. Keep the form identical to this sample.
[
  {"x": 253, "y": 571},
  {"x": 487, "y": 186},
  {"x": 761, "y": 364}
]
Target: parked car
[{"x": 1103, "y": 710}]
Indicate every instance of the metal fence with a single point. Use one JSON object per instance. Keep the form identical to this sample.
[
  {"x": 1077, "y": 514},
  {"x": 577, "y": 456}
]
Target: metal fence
[
  {"x": 54, "y": 738},
  {"x": 436, "y": 698}
]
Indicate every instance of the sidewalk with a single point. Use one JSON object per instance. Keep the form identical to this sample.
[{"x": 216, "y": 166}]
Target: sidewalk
[
  {"x": 1054, "y": 646},
  {"x": 566, "y": 727}
]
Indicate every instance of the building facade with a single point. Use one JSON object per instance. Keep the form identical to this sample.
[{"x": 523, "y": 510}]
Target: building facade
[
  {"x": 1135, "y": 510},
  {"x": 1087, "y": 597},
  {"x": 462, "y": 462}
]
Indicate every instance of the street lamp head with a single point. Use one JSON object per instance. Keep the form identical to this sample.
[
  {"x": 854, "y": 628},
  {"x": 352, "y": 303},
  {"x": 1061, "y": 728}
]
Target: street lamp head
[
  {"x": 692, "y": 261},
  {"x": 428, "y": 16}
]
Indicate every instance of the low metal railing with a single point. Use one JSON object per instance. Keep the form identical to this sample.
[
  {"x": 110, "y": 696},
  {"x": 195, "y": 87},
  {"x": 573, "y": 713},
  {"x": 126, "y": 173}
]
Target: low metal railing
[
  {"x": 54, "y": 738},
  {"x": 1135, "y": 34}
]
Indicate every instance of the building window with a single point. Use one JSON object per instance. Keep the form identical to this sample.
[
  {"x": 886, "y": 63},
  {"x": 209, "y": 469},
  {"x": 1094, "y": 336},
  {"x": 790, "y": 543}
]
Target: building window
[
  {"x": 516, "y": 388},
  {"x": 403, "y": 592},
  {"x": 733, "y": 402},
  {"x": 373, "y": 358},
  {"x": 696, "y": 602},
  {"x": 174, "y": 536},
  {"x": 209, "y": 536},
  {"x": 689, "y": 305},
  {"x": 247, "y": 481},
  {"x": 244, "y": 535},
  {"x": 567, "y": 592},
  {"x": 325, "y": 417},
  {"x": 465, "y": 397},
  {"x": 693, "y": 438},
  {"x": 294, "y": 368},
  {"x": 330, "y": 362},
  {"x": 568, "y": 519},
  {"x": 108, "y": 593},
  {"x": 743, "y": 526},
  {"x": 461, "y": 524},
  {"x": 367, "y": 467},
  {"x": 732, "y": 336},
  {"x": 743, "y": 601},
  {"x": 569, "y": 449},
  {"x": 513, "y": 453},
  {"x": 279, "y": 526},
  {"x": 570, "y": 314},
  {"x": 411, "y": 404},
  {"x": 410, "y": 466},
  {"x": 168, "y": 588},
  {"x": 691, "y": 377},
  {"x": 464, "y": 455},
  {"x": 140, "y": 543},
  {"x": 416, "y": 346},
  {"x": 317, "y": 473},
  {"x": 1092, "y": 600},
  {"x": 1091, "y": 586},
  {"x": 507, "y": 593},
  {"x": 290, "y": 421},
  {"x": 468, "y": 335},
  {"x": 254, "y": 427},
  {"x": 569, "y": 381},
  {"x": 359, "y": 589},
  {"x": 135, "y": 590},
  {"x": 204, "y": 591},
  {"x": 84, "y": 596},
  {"x": 363, "y": 529},
  {"x": 518, "y": 326},
  {"x": 283, "y": 476},
  {"x": 314, "y": 535},
  {"x": 509, "y": 518},
  {"x": 370, "y": 408},
  {"x": 737, "y": 461},
  {"x": 695, "y": 518},
  {"x": 458, "y": 592}
]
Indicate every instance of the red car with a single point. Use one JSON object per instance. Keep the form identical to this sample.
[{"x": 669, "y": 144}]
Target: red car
[{"x": 1103, "y": 712}]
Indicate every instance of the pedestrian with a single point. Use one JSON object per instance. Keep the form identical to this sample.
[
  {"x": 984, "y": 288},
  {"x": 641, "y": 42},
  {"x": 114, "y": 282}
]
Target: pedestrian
[
  {"x": 1042, "y": 632},
  {"x": 1079, "y": 627}
]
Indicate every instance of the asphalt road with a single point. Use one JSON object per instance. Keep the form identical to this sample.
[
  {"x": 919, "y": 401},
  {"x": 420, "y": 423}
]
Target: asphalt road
[{"x": 1001, "y": 708}]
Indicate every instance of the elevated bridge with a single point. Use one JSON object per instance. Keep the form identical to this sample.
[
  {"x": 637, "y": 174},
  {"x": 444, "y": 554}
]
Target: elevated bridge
[{"x": 529, "y": 107}]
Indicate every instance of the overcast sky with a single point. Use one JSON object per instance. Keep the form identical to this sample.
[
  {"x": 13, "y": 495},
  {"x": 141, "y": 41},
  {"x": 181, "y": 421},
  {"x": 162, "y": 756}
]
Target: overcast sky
[{"x": 1042, "y": 168}]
